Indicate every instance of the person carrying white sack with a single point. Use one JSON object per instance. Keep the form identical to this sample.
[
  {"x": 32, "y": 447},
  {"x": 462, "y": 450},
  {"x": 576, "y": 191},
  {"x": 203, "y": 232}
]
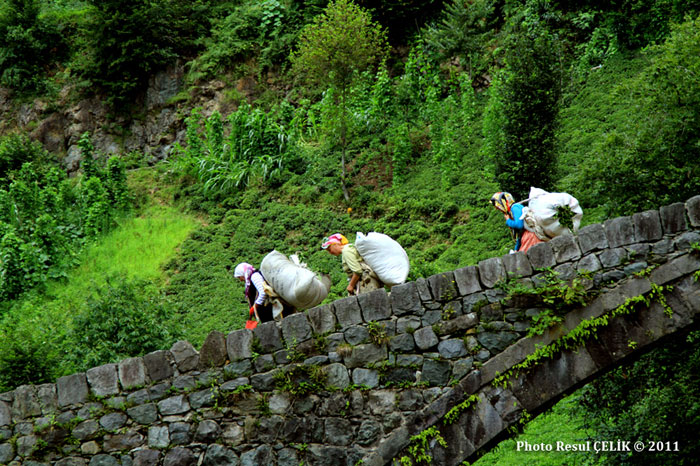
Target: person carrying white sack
[{"x": 362, "y": 277}]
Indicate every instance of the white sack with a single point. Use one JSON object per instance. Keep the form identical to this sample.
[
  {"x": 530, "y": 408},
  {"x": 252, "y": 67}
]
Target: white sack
[
  {"x": 385, "y": 256},
  {"x": 541, "y": 214},
  {"x": 293, "y": 282}
]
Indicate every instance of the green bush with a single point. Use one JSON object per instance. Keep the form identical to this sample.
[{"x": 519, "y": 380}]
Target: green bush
[
  {"x": 122, "y": 319},
  {"x": 29, "y": 45}
]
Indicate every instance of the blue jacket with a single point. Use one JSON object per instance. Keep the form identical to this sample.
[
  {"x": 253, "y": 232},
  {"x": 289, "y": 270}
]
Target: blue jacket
[{"x": 516, "y": 210}]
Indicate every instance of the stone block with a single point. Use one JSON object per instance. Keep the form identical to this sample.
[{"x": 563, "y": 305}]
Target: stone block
[
  {"x": 132, "y": 373},
  {"x": 180, "y": 456},
  {"x": 213, "y": 352},
  {"x": 263, "y": 382},
  {"x": 113, "y": 421},
  {"x": 72, "y": 389},
  {"x": 158, "y": 437},
  {"x": 402, "y": 343},
  {"x": 322, "y": 319},
  {"x": 405, "y": 299},
  {"x": 565, "y": 271},
  {"x": 589, "y": 263},
  {"x": 26, "y": 403},
  {"x": 647, "y": 226},
  {"x": 692, "y": 207},
  {"x": 673, "y": 218},
  {"x": 425, "y": 338},
  {"x": 592, "y": 238},
  {"x": 121, "y": 442},
  {"x": 295, "y": 329},
  {"x": 174, "y": 405},
  {"x": 336, "y": 375},
  {"x": 374, "y": 305},
  {"x": 462, "y": 322},
  {"x": 497, "y": 341},
  {"x": 619, "y": 231},
  {"x": 186, "y": 357},
  {"x": 491, "y": 271},
  {"x": 239, "y": 344},
  {"x": 202, "y": 398},
  {"x": 443, "y": 286},
  {"x": 565, "y": 248},
  {"x": 146, "y": 457},
  {"x": 356, "y": 334},
  {"x": 143, "y": 414},
  {"x": 5, "y": 414},
  {"x": 7, "y": 453},
  {"x": 365, "y": 377},
  {"x": 347, "y": 311},
  {"x": 158, "y": 365},
  {"x": 684, "y": 241},
  {"x": 47, "y": 398},
  {"x": 364, "y": 354},
  {"x": 612, "y": 257},
  {"x": 436, "y": 372},
  {"x": 541, "y": 256},
  {"x": 517, "y": 264},
  {"x": 452, "y": 348},
  {"x": 423, "y": 290},
  {"x": 103, "y": 380},
  {"x": 220, "y": 455},
  {"x": 467, "y": 280},
  {"x": 269, "y": 337}
]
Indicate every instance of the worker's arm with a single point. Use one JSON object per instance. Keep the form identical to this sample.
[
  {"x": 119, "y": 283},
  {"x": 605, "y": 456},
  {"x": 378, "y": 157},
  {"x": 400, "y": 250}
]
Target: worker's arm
[{"x": 353, "y": 283}]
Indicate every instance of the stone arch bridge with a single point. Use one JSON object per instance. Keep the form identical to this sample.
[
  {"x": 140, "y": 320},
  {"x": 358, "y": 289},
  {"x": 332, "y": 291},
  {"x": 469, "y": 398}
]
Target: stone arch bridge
[{"x": 358, "y": 380}]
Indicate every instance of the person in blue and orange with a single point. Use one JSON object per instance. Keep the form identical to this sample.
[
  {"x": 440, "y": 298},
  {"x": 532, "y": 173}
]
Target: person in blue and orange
[{"x": 512, "y": 211}]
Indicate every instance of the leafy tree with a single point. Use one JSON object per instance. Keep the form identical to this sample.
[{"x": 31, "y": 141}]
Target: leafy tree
[
  {"x": 131, "y": 40},
  {"x": 524, "y": 110},
  {"x": 464, "y": 31},
  {"x": 340, "y": 43},
  {"x": 29, "y": 45},
  {"x": 651, "y": 158}
]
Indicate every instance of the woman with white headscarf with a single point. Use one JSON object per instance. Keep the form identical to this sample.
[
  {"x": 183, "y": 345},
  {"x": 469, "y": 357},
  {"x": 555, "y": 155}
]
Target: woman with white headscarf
[{"x": 255, "y": 294}]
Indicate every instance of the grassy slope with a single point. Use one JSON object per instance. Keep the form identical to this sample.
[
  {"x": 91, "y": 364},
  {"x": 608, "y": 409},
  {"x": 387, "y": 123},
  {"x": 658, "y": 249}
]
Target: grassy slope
[{"x": 137, "y": 248}]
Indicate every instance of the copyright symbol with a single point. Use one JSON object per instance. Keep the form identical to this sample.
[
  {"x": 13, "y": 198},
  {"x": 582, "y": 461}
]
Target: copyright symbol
[{"x": 638, "y": 446}]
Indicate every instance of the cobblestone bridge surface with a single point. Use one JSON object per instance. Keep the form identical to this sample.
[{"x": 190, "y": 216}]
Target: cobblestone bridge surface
[{"x": 353, "y": 381}]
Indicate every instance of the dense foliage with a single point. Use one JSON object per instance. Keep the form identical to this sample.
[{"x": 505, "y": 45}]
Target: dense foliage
[
  {"x": 45, "y": 217},
  {"x": 596, "y": 99},
  {"x": 31, "y": 44},
  {"x": 655, "y": 400}
]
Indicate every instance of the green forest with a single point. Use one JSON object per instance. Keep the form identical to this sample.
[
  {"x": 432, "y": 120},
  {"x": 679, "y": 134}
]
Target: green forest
[{"x": 397, "y": 116}]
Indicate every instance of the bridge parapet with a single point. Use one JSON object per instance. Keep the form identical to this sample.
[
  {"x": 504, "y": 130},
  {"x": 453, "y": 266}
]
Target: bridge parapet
[{"x": 356, "y": 379}]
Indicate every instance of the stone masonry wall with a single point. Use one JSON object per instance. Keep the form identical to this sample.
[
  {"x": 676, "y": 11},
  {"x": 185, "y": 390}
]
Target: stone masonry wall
[{"x": 340, "y": 383}]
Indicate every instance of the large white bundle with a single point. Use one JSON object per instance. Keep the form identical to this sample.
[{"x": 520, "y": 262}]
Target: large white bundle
[
  {"x": 541, "y": 214},
  {"x": 385, "y": 256},
  {"x": 293, "y": 282}
]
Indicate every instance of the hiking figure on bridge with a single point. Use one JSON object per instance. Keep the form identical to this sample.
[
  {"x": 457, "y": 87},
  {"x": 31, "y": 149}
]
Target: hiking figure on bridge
[
  {"x": 256, "y": 295},
  {"x": 362, "y": 278},
  {"x": 513, "y": 212}
]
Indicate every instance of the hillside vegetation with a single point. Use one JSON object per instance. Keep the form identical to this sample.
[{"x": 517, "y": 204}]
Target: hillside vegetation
[{"x": 402, "y": 117}]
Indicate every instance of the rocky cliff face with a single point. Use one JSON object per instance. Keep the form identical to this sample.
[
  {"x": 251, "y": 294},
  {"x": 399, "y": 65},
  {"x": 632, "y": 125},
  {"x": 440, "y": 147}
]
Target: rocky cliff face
[{"x": 58, "y": 123}]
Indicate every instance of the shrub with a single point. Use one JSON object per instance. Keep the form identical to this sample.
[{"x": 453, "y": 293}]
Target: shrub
[
  {"x": 30, "y": 44},
  {"x": 122, "y": 319}
]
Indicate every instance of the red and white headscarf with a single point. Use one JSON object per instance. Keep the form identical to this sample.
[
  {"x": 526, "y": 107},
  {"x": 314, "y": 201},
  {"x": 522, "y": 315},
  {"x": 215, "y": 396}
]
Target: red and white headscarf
[
  {"x": 334, "y": 239},
  {"x": 244, "y": 270}
]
